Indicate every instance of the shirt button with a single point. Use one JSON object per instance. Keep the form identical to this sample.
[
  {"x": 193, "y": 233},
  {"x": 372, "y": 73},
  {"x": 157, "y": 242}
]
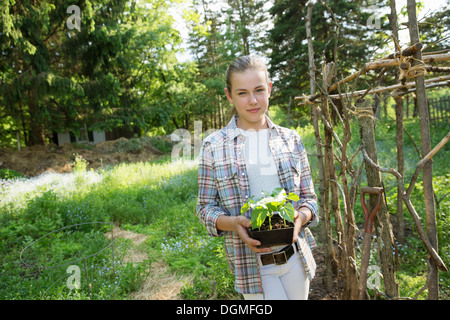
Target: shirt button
[{"x": 246, "y": 196}]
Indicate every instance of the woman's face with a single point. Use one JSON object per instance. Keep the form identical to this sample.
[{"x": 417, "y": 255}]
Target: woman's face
[{"x": 250, "y": 94}]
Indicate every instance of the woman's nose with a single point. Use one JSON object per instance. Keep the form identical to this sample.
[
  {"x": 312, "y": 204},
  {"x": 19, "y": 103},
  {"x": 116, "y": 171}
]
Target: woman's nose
[{"x": 252, "y": 99}]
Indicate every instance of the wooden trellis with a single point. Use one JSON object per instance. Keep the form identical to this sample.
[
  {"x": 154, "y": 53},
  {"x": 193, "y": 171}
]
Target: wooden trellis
[
  {"x": 410, "y": 63},
  {"x": 393, "y": 60}
]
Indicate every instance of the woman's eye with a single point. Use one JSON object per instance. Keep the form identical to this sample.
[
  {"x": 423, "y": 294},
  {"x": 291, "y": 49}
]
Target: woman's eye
[{"x": 241, "y": 93}]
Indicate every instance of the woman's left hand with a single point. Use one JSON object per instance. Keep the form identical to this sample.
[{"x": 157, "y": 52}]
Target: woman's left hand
[{"x": 301, "y": 217}]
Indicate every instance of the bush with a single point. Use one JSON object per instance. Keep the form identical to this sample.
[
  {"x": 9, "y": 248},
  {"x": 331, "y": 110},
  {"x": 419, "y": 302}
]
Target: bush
[
  {"x": 10, "y": 174},
  {"x": 132, "y": 145}
]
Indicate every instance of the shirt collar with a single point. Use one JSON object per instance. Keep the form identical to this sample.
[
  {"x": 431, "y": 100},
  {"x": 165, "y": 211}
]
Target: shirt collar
[{"x": 233, "y": 130}]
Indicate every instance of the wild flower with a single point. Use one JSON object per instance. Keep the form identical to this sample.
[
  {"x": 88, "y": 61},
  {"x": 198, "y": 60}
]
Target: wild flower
[{"x": 15, "y": 193}]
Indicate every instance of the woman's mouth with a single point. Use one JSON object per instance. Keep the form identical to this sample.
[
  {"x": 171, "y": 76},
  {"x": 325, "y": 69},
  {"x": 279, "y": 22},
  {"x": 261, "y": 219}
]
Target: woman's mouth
[{"x": 254, "y": 110}]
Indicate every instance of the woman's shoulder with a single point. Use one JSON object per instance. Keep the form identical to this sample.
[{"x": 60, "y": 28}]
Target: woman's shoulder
[
  {"x": 216, "y": 137},
  {"x": 287, "y": 132}
]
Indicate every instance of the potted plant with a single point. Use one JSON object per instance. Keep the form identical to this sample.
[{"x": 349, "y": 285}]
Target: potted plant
[{"x": 272, "y": 218}]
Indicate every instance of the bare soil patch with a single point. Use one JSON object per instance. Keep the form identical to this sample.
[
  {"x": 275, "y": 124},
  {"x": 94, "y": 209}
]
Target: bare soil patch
[
  {"x": 32, "y": 161},
  {"x": 317, "y": 287}
]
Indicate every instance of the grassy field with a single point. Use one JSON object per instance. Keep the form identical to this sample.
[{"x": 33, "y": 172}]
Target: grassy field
[
  {"x": 55, "y": 221},
  {"x": 154, "y": 199}
]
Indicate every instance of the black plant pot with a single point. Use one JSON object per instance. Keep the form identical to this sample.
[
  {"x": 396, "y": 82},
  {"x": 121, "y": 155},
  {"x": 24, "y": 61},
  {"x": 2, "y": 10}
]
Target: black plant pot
[{"x": 273, "y": 237}]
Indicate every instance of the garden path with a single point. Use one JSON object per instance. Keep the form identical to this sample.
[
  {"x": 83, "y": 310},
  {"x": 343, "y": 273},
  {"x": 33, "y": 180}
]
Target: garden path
[{"x": 161, "y": 283}]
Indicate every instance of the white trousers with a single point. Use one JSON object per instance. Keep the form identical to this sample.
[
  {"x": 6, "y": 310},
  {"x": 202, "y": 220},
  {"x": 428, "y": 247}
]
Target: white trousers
[{"x": 283, "y": 282}]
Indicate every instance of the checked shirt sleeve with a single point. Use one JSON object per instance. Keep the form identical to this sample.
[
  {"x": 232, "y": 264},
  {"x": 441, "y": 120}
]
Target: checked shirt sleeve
[
  {"x": 308, "y": 197},
  {"x": 208, "y": 209}
]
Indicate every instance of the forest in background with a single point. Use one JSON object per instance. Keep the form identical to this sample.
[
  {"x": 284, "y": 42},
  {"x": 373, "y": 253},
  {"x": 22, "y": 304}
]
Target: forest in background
[{"x": 118, "y": 66}]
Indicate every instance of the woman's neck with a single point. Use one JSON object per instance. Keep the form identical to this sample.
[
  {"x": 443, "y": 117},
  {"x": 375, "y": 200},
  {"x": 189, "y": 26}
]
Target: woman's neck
[{"x": 256, "y": 126}]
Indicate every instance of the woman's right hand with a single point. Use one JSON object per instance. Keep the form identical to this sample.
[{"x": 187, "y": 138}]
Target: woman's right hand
[{"x": 241, "y": 224}]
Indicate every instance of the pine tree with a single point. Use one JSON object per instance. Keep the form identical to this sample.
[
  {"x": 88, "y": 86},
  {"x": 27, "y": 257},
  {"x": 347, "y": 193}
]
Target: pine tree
[
  {"x": 57, "y": 78},
  {"x": 221, "y": 31},
  {"x": 289, "y": 57}
]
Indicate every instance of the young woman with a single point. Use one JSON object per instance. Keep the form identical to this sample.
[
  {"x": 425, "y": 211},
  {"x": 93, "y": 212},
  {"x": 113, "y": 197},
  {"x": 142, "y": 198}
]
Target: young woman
[{"x": 250, "y": 155}]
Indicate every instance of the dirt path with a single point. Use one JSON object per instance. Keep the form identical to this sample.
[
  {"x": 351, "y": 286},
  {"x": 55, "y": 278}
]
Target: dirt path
[{"x": 161, "y": 284}]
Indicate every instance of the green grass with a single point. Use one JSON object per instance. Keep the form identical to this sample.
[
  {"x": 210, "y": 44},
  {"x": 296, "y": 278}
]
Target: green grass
[{"x": 158, "y": 199}]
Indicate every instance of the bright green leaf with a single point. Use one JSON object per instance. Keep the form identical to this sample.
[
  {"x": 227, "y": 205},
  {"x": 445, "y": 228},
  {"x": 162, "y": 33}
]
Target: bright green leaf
[{"x": 293, "y": 196}]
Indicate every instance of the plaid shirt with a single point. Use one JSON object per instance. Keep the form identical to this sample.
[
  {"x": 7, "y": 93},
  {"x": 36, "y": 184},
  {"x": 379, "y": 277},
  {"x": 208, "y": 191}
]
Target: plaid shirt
[{"x": 223, "y": 188}]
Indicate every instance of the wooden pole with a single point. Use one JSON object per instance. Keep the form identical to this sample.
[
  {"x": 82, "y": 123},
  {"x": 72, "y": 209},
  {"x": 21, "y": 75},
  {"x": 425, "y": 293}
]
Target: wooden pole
[
  {"x": 405, "y": 194},
  {"x": 327, "y": 240},
  {"x": 399, "y": 127},
  {"x": 383, "y": 228},
  {"x": 376, "y": 65},
  {"x": 331, "y": 204},
  {"x": 428, "y": 86},
  {"x": 425, "y": 141},
  {"x": 393, "y": 87},
  {"x": 406, "y": 52}
]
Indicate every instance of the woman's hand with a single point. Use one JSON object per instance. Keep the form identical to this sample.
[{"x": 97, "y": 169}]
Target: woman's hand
[
  {"x": 241, "y": 224},
  {"x": 301, "y": 217}
]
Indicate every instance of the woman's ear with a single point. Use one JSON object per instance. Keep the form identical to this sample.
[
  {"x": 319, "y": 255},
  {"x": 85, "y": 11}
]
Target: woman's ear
[
  {"x": 228, "y": 95},
  {"x": 270, "y": 88}
]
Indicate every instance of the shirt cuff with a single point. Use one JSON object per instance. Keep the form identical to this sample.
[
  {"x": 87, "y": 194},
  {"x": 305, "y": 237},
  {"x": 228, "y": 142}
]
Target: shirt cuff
[
  {"x": 211, "y": 223},
  {"x": 314, "y": 213}
]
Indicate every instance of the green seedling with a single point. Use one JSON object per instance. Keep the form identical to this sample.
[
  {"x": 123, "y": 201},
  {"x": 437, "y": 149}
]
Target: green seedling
[{"x": 266, "y": 206}]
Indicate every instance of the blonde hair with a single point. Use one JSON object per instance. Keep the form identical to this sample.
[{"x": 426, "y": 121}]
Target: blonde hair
[{"x": 242, "y": 64}]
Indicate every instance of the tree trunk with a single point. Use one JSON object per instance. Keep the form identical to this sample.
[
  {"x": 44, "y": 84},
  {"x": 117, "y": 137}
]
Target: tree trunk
[
  {"x": 26, "y": 136},
  {"x": 37, "y": 135},
  {"x": 37, "y": 130},
  {"x": 288, "y": 120},
  {"x": 425, "y": 141},
  {"x": 383, "y": 228}
]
